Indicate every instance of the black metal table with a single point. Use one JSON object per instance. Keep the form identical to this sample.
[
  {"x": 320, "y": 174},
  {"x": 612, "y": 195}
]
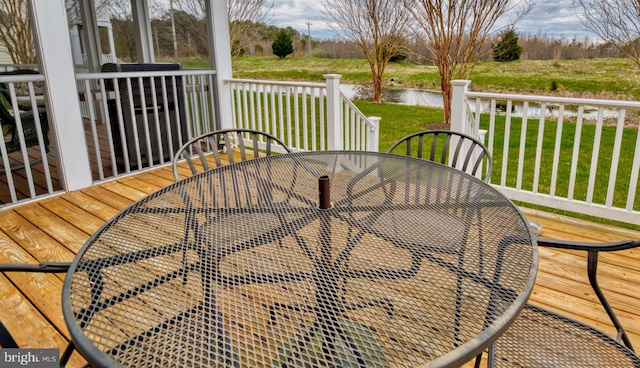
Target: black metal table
[{"x": 349, "y": 259}]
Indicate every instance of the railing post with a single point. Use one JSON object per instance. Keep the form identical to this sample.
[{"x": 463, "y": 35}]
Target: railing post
[
  {"x": 459, "y": 121},
  {"x": 335, "y": 140},
  {"x": 220, "y": 55},
  {"x": 63, "y": 110},
  {"x": 374, "y": 133}
]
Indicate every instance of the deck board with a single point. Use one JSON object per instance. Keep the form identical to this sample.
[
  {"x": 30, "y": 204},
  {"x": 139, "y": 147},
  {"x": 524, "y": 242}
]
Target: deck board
[{"x": 55, "y": 228}]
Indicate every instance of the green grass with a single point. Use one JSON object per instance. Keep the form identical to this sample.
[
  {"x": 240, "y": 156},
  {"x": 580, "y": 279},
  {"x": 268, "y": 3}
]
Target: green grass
[
  {"x": 399, "y": 120},
  {"x": 566, "y": 151},
  {"x": 596, "y": 78}
]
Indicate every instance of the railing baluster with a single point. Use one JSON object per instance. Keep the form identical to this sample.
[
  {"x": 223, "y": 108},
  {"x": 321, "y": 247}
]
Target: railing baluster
[
  {"x": 314, "y": 124},
  {"x": 285, "y": 136},
  {"x": 523, "y": 145},
  {"x": 595, "y": 153},
  {"x": 615, "y": 158},
  {"x": 492, "y": 124},
  {"x": 155, "y": 123},
  {"x": 556, "y": 152},
  {"x": 305, "y": 118},
  {"x": 576, "y": 153},
  {"x": 505, "y": 149},
  {"x": 635, "y": 172},
  {"x": 167, "y": 120},
  {"x": 538, "y": 162}
]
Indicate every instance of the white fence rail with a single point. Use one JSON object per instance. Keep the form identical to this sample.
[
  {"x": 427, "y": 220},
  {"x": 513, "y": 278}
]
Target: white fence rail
[
  {"x": 25, "y": 148},
  {"x": 306, "y": 116},
  {"x": 137, "y": 120},
  {"x": 146, "y": 116},
  {"x": 578, "y": 155}
]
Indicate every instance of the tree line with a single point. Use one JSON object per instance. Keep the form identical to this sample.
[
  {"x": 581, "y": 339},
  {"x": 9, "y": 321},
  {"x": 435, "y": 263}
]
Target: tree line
[{"x": 259, "y": 43}]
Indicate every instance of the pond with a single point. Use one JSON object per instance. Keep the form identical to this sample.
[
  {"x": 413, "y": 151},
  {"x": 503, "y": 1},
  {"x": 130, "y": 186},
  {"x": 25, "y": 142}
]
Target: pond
[
  {"x": 406, "y": 96},
  {"x": 417, "y": 97}
]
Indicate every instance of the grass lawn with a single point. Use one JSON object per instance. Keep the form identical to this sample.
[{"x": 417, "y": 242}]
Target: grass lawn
[{"x": 588, "y": 78}]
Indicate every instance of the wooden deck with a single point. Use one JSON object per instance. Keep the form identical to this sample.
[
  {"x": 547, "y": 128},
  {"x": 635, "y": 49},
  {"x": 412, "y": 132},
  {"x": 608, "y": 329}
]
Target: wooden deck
[{"x": 54, "y": 229}]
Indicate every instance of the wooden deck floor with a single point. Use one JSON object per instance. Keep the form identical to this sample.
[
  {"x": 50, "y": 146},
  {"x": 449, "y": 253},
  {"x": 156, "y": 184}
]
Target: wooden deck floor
[{"x": 54, "y": 229}]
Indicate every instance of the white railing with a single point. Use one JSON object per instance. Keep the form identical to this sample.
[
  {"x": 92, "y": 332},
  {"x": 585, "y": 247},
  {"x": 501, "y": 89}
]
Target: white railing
[
  {"x": 137, "y": 120},
  {"x": 25, "y": 151},
  {"x": 146, "y": 116},
  {"x": 306, "y": 116},
  {"x": 578, "y": 155}
]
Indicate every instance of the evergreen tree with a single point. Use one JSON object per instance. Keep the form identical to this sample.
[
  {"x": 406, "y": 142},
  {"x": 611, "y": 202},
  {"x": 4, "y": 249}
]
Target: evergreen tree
[
  {"x": 282, "y": 45},
  {"x": 507, "y": 49}
]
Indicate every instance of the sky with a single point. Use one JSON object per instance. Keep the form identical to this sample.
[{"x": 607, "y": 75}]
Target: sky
[{"x": 552, "y": 18}]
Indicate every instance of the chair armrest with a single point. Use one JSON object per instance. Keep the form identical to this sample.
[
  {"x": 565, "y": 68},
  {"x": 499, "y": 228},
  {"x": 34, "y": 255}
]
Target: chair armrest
[
  {"x": 593, "y": 249},
  {"x": 49, "y": 267},
  {"x": 589, "y": 246}
]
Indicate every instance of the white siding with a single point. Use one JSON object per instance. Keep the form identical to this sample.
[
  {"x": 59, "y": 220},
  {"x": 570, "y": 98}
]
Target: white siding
[{"x": 4, "y": 56}]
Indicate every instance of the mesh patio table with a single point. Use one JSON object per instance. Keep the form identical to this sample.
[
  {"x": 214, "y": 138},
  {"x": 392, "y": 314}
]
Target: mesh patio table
[{"x": 317, "y": 259}]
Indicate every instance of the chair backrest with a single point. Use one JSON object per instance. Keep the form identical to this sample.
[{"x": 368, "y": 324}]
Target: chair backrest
[
  {"x": 203, "y": 152},
  {"x": 450, "y": 148},
  {"x": 27, "y": 119}
]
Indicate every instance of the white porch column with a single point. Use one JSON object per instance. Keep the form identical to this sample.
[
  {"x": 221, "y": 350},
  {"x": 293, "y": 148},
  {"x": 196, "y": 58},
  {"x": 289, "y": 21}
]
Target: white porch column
[
  {"x": 220, "y": 55},
  {"x": 112, "y": 45},
  {"x": 334, "y": 112},
  {"x": 459, "y": 121},
  {"x": 93, "y": 49},
  {"x": 51, "y": 33},
  {"x": 142, "y": 29}
]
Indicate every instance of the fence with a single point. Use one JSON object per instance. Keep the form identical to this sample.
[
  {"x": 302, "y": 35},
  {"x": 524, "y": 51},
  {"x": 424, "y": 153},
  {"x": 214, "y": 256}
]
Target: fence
[
  {"x": 306, "y": 116},
  {"x": 25, "y": 148},
  {"x": 146, "y": 116},
  {"x": 578, "y": 155},
  {"x": 137, "y": 120}
]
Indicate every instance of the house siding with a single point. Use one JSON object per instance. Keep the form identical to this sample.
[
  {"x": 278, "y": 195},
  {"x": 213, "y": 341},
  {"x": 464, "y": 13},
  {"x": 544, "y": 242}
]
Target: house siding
[{"x": 4, "y": 56}]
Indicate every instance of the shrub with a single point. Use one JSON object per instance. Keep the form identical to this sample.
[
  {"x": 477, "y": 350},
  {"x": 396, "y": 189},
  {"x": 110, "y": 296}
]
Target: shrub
[
  {"x": 282, "y": 45},
  {"x": 507, "y": 49}
]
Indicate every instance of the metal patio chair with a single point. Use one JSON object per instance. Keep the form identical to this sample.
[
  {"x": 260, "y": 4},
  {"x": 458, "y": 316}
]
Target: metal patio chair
[
  {"x": 29, "y": 130},
  {"x": 198, "y": 151},
  {"x": 6, "y": 339},
  {"x": 447, "y": 147},
  {"x": 542, "y": 338},
  {"x": 453, "y": 149}
]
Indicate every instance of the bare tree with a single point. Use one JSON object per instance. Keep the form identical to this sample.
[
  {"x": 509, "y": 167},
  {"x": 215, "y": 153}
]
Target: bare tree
[
  {"x": 615, "y": 21},
  {"x": 241, "y": 13},
  {"x": 123, "y": 28},
  {"x": 455, "y": 32},
  {"x": 375, "y": 26},
  {"x": 15, "y": 31}
]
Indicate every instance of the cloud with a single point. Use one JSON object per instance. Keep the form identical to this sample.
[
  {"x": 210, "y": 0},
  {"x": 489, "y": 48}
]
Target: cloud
[
  {"x": 556, "y": 19},
  {"x": 297, "y": 13}
]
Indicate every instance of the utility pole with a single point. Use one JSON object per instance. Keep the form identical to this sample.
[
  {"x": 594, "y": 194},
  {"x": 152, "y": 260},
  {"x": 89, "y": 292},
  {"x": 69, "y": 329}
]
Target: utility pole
[{"x": 309, "y": 37}]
